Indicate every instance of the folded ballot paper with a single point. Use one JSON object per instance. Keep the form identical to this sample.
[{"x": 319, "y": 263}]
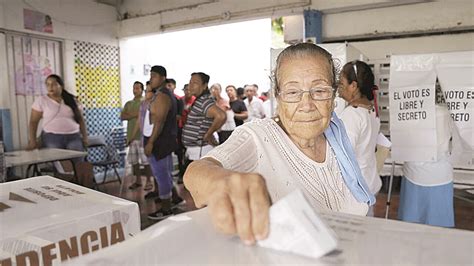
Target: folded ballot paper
[{"x": 296, "y": 228}]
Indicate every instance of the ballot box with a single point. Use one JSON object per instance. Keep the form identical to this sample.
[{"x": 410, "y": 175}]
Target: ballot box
[
  {"x": 44, "y": 221},
  {"x": 191, "y": 239}
]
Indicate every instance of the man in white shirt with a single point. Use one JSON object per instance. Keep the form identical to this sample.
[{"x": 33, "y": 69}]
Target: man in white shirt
[{"x": 253, "y": 103}]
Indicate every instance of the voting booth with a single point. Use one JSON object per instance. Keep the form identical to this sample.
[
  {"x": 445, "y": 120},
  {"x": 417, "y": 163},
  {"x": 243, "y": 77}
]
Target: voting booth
[
  {"x": 412, "y": 93},
  {"x": 44, "y": 221}
]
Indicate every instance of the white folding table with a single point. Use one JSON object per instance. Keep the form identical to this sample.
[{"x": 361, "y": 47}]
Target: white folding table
[{"x": 34, "y": 157}]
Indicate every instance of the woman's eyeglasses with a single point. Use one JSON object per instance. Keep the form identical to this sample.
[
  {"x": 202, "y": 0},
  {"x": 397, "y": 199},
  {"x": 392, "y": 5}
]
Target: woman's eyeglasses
[{"x": 317, "y": 94}]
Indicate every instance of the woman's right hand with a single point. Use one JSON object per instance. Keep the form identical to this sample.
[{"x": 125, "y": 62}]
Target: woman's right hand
[
  {"x": 32, "y": 145},
  {"x": 239, "y": 204}
]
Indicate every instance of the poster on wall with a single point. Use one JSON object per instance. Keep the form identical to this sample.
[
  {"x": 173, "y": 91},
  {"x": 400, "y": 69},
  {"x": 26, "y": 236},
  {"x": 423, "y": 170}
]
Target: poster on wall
[
  {"x": 31, "y": 74},
  {"x": 455, "y": 74},
  {"x": 412, "y": 108},
  {"x": 34, "y": 62},
  {"x": 37, "y": 21}
]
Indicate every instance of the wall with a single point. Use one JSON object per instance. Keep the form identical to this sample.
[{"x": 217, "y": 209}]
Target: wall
[
  {"x": 73, "y": 21},
  {"x": 379, "y": 49},
  {"x": 342, "y": 20},
  {"x": 400, "y": 20},
  {"x": 68, "y": 23},
  {"x": 147, "y": 17}
]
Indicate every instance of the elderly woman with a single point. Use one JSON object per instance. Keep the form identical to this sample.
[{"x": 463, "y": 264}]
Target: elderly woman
[{"x": 305, "y": 147}]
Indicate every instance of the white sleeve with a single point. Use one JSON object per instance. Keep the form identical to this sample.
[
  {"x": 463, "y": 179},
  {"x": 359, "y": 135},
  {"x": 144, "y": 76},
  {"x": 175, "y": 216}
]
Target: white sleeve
[
  {"x": 237, "y": 153},
  {"x": 352, "y": 124}
]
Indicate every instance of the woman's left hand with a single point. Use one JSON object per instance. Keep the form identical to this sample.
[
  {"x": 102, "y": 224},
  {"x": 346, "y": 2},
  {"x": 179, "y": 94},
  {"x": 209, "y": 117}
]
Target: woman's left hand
[{"x": 85, "y": 142}]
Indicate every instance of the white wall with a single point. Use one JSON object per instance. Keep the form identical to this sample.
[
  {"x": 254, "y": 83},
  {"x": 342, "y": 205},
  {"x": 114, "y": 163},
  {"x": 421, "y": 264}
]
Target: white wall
[
  {"x": 72, "y": 20},
  {"x": 83, "y": 20},
  {"x": 164, "y": 16},
  {"x": 342, "y": 20},
  {"x": 3, "y": 73},
  {"x": 379, "y": 49},
  {"x": 415, "y": 18},
  {"x": 367, "y": 18}
]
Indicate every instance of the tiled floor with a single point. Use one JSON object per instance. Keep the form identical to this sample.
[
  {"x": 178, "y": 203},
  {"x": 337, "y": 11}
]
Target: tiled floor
[{"x": 464, "y": 210}]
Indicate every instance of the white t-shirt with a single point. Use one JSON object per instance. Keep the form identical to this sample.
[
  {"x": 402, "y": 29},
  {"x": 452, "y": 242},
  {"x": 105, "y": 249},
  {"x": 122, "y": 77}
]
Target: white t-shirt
[
  {"x": 362, "y": 127},
  {"x": 261, "y": 146},
  {"x": 147, "y": 126},
  {"x": 229, "y": 124},
  {"x": 254, "y": 108},
  {"x": 439, "y": 172}
]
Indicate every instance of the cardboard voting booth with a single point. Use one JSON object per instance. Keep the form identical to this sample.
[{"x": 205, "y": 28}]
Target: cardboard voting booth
[
  {"x": 44, "y": 221},
  {"x": 412, "y": 105}
]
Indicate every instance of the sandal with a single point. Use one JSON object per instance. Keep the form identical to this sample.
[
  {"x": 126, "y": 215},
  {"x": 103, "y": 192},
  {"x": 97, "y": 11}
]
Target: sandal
[
  {"x": 134, "y": 186},
  {"x": 148, "y": 186}
]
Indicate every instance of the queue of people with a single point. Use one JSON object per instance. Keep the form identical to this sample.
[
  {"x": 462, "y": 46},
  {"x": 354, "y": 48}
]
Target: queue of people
[{"x": 237, "y": 159}]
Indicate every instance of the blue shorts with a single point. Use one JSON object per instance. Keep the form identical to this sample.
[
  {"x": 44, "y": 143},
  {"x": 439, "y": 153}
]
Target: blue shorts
[{"x": 162, "y": 172}]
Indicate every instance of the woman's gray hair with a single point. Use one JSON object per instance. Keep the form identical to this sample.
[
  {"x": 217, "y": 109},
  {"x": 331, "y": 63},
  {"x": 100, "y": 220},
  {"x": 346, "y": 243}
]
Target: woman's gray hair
[{"x": 302, "y": 50}]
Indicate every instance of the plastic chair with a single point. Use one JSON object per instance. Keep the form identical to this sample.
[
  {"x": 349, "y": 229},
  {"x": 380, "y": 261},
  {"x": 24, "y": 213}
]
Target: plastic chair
[
  {"x": 119, "y": 139},
  {"x": 109, "y": 156}
]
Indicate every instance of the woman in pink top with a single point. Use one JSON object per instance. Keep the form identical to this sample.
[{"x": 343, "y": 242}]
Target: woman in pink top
[{"x": 63, "y": 122}]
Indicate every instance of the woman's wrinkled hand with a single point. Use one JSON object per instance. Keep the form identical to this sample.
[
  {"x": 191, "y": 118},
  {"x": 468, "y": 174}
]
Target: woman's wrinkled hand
[{"x": 240, "y": 205}]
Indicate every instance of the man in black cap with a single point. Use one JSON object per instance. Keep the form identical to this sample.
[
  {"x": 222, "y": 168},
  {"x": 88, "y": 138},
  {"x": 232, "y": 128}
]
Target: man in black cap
[{"x": 160, "y": 133}]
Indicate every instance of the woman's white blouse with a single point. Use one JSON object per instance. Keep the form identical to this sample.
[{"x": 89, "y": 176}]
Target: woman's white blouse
[
  {"x": 261, "y": 146},
  {"x": 362, "y": 127}
]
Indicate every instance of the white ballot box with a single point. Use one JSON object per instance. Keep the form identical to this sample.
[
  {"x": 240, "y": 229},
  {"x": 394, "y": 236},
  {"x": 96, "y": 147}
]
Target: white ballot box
[
  {"x": 191, "y": 239},
  {"x": 44, "y": 221}
]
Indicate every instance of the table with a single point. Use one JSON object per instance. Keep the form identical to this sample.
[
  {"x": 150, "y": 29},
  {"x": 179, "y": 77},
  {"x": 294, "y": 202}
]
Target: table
[
  {"x": 34, "y": 157},
  {"x": 190, "y": 239},
  {"x": 49, "y": 219}
]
